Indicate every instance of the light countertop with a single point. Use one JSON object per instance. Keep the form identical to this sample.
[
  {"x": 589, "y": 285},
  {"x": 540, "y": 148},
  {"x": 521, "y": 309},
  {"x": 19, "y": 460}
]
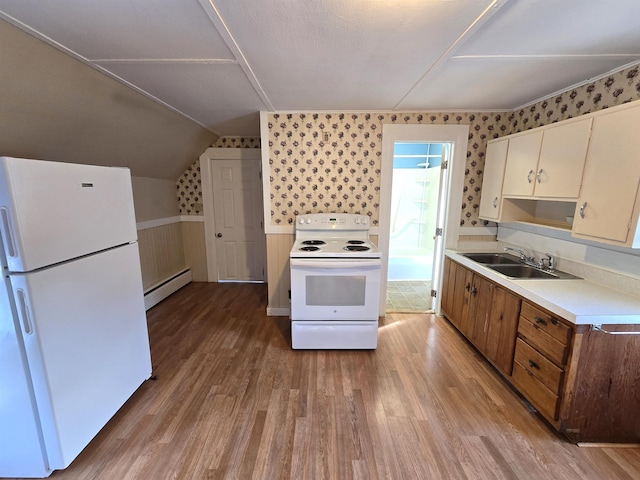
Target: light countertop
[{"x": 578, "y": 301}]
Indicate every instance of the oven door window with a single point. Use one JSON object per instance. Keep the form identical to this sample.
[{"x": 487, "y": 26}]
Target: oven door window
[{"x": 339, "y": 291}]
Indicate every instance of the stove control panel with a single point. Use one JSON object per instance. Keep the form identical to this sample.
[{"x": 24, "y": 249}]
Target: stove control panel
[{"x": 332, "y": 221}]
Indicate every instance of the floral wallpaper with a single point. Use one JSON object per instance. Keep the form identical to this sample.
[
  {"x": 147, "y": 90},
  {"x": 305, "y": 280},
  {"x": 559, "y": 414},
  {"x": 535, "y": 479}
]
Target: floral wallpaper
[
  {"x": 330, "y": 162},
  {"x": 311, "y": 172},
  {"x": 616, "y": 89},
  {"x": 189, "y": 185},
  {"x": 324, "y": 162}
]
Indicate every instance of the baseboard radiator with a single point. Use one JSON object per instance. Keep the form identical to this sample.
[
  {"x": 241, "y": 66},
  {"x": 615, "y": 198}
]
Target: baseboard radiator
[{"x": 158, "y": 292}]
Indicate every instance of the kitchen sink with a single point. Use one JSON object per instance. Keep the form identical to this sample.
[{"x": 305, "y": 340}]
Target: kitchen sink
[
  {"x": 493, "y": 258},
  {"x": 522, "y": 271}
]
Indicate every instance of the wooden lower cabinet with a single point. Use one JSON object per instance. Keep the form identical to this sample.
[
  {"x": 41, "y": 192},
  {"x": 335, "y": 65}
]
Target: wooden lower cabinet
[
  {"x": 585, "y": 383},
  {"x": 484, "y": 312}
]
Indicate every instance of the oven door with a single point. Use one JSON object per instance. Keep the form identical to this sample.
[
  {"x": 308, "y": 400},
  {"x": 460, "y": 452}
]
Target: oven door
[{"x": 335, "y": 288}]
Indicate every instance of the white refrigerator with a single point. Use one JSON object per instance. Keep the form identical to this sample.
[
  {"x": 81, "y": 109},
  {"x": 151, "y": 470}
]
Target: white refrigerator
[{"x": 74, "y": 344}]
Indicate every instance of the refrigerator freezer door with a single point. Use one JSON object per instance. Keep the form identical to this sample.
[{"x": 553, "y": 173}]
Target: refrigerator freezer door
[
  {"x": 52, "y": 211},
  {"x": 86, "y": 340}
]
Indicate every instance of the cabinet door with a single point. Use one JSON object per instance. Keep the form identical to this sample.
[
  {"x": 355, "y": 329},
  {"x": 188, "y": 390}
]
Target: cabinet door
[
  {"x": 491, "y": 193},
  {"x": 478, "y": 314},
  {"x": 562, "y": 158},
  {"x": 448, "y": 286},
  {"x": 455, "y": 300},
  {"x": 611, "y": 177},
  {"x": 522, "y": 164},
  {"x": 503, "y": 329}
]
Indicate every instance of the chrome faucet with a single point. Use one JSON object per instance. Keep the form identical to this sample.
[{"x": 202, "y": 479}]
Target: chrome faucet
[
  {"x": 523, "y": 255},
  {"x": 548, "y": 262}
]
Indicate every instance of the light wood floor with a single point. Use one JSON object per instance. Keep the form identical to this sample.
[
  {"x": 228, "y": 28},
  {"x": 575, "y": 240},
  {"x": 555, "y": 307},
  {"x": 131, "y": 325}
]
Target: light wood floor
[{"x": 232, "y": 400}]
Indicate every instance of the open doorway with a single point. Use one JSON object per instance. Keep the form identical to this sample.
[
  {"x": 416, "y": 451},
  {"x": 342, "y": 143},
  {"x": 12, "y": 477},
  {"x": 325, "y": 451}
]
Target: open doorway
[
  {"x": 415, "y": 195},
  {"x": 451, "y": 185}
]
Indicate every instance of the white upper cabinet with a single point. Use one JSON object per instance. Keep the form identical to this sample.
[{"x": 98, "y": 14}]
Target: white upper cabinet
[
  {"x": 562, "y": 157},
  {"x": 547, "y": 162},
  {"x": 494, "y": 162},
  {"x": 609, "y": 205},
  {"x": 522, "y": 163}
]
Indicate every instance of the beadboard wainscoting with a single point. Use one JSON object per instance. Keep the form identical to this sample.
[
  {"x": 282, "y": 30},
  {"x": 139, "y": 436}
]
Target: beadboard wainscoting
[
  {"x": 172, "y": 254},
  {"x": 278, "y": 273},
  {"x": 195, "y": 250},
  {"x": 161, "y": 253}
]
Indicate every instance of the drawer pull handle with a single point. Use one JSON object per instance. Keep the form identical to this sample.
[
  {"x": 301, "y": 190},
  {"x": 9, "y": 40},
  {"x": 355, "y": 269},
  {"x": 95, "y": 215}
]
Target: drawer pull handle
[
  {"x": 541, "y": 321},
  {"x": 533, "y": 364},
  {"x": 554, "y": 321},
  {"x": 529, "y": 176}
]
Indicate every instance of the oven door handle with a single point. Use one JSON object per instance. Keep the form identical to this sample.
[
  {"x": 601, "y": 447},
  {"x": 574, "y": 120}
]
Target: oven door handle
[{"x": 341, "y": 264}]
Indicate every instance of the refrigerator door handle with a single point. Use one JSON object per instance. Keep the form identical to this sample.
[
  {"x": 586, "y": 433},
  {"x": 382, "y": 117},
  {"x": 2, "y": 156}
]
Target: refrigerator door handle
[
  {"x": 27, "y": 326},
  {"x": 8, "y": 233}
]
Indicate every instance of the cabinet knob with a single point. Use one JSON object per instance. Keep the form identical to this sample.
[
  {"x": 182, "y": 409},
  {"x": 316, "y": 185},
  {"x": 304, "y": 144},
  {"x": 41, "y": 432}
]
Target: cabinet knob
[
  {"x": 467, "y": 287},
  {"x": 582, "y": 207},
  {"x": 533, "y": 364},
  {"x": 219, "y": 235},
  {"x": 541, "y": 321}
]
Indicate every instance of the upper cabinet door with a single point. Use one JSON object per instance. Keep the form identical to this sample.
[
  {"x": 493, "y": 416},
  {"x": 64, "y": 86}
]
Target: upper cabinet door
[
  {"x": 522, "y": 164},
  {"x": 607, "y": 209},
  {"x": 562, "y": 157},
  {"x": 494, "y": 163}
]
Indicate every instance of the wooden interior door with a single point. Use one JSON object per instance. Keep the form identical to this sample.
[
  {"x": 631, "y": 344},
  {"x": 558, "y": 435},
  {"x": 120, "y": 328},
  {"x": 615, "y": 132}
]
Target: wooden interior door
[{"x": 237, "y": 204}]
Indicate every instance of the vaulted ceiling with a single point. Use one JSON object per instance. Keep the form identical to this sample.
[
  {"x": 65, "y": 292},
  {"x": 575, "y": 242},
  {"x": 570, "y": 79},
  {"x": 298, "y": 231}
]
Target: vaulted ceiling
[{"x": 219, "y": 62}]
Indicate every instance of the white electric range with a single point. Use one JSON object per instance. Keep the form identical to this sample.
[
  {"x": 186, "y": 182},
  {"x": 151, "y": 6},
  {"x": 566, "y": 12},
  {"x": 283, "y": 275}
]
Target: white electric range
[{"x": 335, "y": 283}]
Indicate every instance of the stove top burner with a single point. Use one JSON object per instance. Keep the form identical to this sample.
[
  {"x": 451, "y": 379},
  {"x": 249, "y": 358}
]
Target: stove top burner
[
  {"x": 310, "y": 249},
  {"x": 357, "y": 248},
  {"x": 355, "y": 242},
  {"x": 313, "y": 242}
]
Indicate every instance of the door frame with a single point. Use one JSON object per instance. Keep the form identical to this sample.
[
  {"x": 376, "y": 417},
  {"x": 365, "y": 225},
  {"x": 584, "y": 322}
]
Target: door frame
[
  {"x": 459, "y": 136},
  {"x": 211, "y": 155}
]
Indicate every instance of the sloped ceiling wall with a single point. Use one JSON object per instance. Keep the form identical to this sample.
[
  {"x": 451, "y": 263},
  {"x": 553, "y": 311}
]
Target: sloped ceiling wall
[{"x": 54, "y": 107}]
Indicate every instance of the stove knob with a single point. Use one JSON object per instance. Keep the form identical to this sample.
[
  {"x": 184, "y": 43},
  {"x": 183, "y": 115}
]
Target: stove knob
[
  {"x": 364, "y": 220},
  {"x": 357, "y": 220},
  {"x": 301, "y": 221},
  {"x": 308, "y": 221}
]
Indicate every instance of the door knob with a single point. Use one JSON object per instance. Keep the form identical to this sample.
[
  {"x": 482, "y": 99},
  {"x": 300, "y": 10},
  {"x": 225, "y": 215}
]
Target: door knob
[{"x": 219, "y": 235}]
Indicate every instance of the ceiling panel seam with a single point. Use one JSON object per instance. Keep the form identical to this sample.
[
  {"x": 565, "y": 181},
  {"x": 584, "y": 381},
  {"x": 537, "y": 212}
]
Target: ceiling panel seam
[
  {"x": 484, "y": 16},
  {"x": 555, "y": 55},
  {"x": 208, "y": 61},
  {"x": 218, "y": 22}
]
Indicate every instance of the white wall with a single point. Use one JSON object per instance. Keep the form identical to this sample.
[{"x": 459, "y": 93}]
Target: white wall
[
  {"x": 54, "y": 107},
  {"x": 154, "y": 198}
]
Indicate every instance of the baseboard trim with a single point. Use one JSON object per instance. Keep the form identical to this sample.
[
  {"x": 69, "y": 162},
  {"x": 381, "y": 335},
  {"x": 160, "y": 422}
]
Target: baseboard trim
[
  {"x": 278, "y": 312},
  {"x": 162, "y": 290}
]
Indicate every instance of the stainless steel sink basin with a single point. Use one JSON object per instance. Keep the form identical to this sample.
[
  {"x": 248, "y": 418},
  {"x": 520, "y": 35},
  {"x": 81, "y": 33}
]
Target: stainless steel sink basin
[
  {"x": 493, "y": 258},
  {"x": 525, "y": 271}
]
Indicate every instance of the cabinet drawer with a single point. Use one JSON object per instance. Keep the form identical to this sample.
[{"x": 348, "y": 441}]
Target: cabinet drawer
[
  {"x": 542, "y": 341},
  {"x": 539, "y": 395},
  {"x": 541, "y": 368},
  {"x": 546, "y": 323}
]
